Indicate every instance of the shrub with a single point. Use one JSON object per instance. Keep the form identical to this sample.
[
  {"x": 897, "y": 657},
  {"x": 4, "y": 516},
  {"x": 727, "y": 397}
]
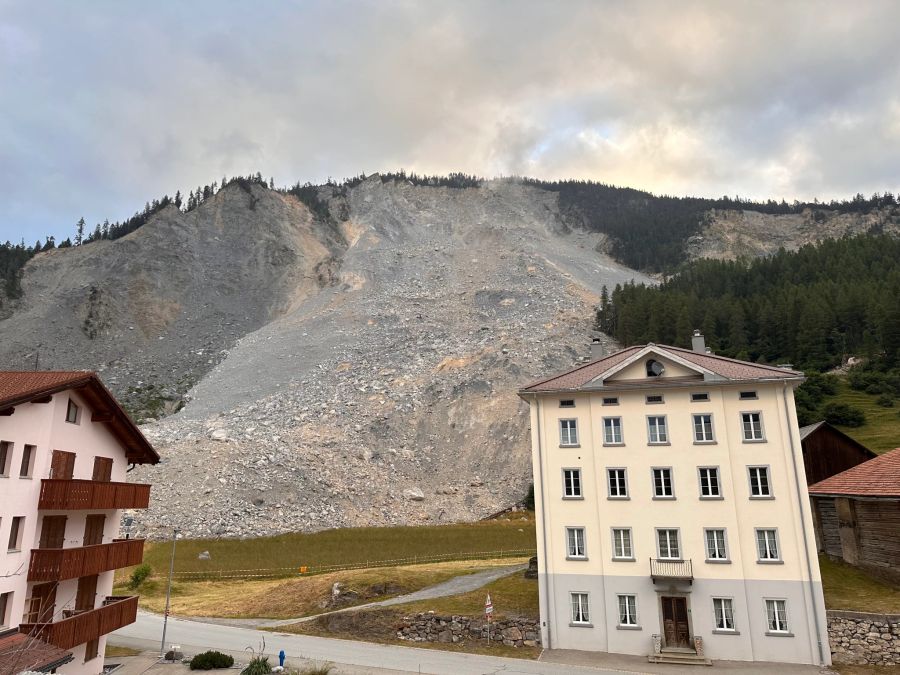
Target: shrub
[
  {"x": 318, "y": 669},
  {"x": 885, "y": 401},
  {"x": 140, "y": 573},
  {"x": 211, "y": 660},
  {"x": 843, "y": 414},
  {"x": 529, "y": 497},
  {"x": 259, "y": 665}
]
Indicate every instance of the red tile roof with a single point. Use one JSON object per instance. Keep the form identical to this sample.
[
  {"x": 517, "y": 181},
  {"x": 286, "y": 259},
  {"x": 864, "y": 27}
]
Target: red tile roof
[
  {"x": 879, "y": 477},
  {"x": 729, "y": 369},
  {"x": 20, "y": 652},
  {"x": 20, "y": 387}
]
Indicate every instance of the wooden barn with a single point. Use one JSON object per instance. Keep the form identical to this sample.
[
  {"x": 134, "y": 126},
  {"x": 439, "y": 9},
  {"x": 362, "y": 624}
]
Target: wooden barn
[
  {"x": 827, "y": 451},
  {"x": 857, "y": 515}
]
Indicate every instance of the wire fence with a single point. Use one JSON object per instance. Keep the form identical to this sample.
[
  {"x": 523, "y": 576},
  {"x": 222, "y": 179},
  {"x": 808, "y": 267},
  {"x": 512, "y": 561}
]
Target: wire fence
[{"x": 310, "y": 570}]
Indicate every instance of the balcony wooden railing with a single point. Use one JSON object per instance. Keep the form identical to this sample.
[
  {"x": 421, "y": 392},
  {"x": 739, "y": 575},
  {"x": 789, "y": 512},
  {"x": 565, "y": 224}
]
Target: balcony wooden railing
[
  {"x": 56, "y": 564},
  {"x": 90, "y": 494},
  {"x": 116, "y": 612},
  {"x": 671, "y": 570}
]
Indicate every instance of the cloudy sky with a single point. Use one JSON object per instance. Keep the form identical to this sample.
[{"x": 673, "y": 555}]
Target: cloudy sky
[{"x": 104, "y": 105}]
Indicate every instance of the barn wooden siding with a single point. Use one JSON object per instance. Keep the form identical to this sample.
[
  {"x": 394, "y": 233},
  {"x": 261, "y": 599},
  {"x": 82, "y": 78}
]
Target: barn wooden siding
[{"x": 827, "y": 451}]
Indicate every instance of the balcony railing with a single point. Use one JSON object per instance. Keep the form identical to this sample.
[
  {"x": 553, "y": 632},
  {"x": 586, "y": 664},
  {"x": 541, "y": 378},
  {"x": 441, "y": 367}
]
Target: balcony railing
[
  {"x": 90, "y": 494},
  {"x": 671, "y": 570},
  {"x": 56, "y": 564},
  {"x": 116, "y": 612}
]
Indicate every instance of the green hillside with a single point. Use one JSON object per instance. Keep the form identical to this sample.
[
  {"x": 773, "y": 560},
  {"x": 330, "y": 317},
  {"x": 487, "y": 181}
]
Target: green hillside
[{"x": 881, "y": 431}]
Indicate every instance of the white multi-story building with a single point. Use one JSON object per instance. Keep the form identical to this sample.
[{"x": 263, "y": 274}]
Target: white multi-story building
[
  {"x": 65, "y": 446},
  {"x": 672, "y": 513}
]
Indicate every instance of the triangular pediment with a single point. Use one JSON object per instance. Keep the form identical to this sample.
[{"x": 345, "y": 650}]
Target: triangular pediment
[{"x": 653, "y": 364}]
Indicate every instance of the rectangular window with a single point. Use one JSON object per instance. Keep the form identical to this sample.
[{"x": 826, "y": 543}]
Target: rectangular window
[
  {"x": 703, "y": 429},
  {"x": 667, "y": 541},
  {"x": 72, "y": 412},
  {"x": 5, "y": 608},
  {"x": 776, "y": 616},
  {"x": 27, "y": 461},
  {"x": 698, "y": 398},
  {"x": 575, "y": 542},
  {"x": 656, "y": 429},
  {"x": 580, "y": 613},
  {"x": 568, "y": 432},
  {"x": 709, "y": 482},
  {"x": 628, "y": 610},
  {"x": 15, "y": 533},
  {"x": 572, "y": 483},
  {"x": 6, "y": 449},
  {"x": 612, "y": 431},
  {"x": 715, "y": 545},
  {"x": 655, "y": 398},
  {"x": 567, "y": 403},
  {"x": 662, "y": 484},
  {"x": 618, "y": 486},
  {"x": 622, "y": 544},
  {"x": 767, "y": 545},
  {"x": 751, "y": 426},
  {"x": 611, "y": 400},
  {"x": 747, "y": 395},
  {"x": 724, "y": 611},
  {"x": 759, "y": 482}
]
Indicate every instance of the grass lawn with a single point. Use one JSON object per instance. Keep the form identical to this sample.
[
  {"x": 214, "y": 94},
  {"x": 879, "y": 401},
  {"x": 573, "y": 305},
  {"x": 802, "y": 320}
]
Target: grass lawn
[
  {"x": 512, "y": 596},
  {"x": 284, "y": 554},
  {"x": 881, "y": 432},
  {"x": 302, "y": 596},
  {"x": 847, "y": 587},
  {"x": 114, "y": 651}
]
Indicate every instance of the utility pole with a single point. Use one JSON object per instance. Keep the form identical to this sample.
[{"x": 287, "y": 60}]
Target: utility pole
[{"x": 162, "y": 644}]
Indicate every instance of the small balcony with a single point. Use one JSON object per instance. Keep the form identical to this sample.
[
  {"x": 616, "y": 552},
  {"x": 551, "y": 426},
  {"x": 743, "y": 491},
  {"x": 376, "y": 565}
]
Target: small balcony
[
  {"x": 81, "y": 627},
  {"x": 662, "y": 571},
  {"x": 71, "y": 494},
  {"x": 56, "y": 564}
]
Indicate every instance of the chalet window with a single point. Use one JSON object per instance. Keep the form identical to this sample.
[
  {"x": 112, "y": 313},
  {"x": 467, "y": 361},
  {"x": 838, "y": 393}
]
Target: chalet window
[
  {"x": 667, "y": 543},
  {"x": 767, "y": 545},
  {"x": 42, "y": 603},
  {"x": 656, "y": 398},
  {"x": 723, "y": 608},
  {"x": 5, "y": 608},
  {"x": 575, "y": 543},
  {"x": 572, "y": 483},
  {"x": 53, "y": 532},
  {"x": 611, "y": 400},
  {"x": 568, "y": 432},
  {"x": 662, "y": 484},
  {"x": 747, "y": 395},
  {"x": 6, "y": 449},
  {"x": 776, "y": 616},
  {"x": 715, "y": 545},
  {"x": 751, "y": 426},
  {"x": 86, "y": 595},
  {"x": 612, "y": 431},
  {"x": 91, "y": 649},
  {"x": 759, "y": 482},
  {"x": 94, "y": 525},
  {"x": 72, "y": 412},
  {"x": 62, "y": 465},
  {"x": 618, "y": 486},
  {"x": 622, "y": 549},
  {"x": 567, "y": 403},
  {"x": 709, "y": 482},
  {"x": 703, "y": 428},
  {"x": 580, "y": 613},
  {"x": 698, "y": 398},
  {"x": 627, "y": 610},
  {"x": 656, "y": 430},
  {"x": 15, "y": 533},
  {"x": 27, "y": 461},
  {"x": 102, "y": 469}
]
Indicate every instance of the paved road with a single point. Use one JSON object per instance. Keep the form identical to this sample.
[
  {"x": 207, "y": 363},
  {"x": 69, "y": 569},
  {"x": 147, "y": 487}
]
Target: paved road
[
  {"x": 455, "y": 586},
  {"x": 194, "y": 637}
]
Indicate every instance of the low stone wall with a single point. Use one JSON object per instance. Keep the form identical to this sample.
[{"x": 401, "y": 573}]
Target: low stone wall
[
  {"x": 859, "y": 638},
  {"x": 434, "y": 628}
]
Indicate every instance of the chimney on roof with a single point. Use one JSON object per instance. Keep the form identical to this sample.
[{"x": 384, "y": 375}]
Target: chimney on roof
[
  {"x": 698, "y": 342},
  {"x": 596, "y": 349}
]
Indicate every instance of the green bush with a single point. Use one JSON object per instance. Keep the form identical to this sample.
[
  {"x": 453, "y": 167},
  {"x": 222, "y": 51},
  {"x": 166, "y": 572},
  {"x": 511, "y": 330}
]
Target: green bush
[
  {"x": 529, "y": 497},
  {"x": 885, "y": 401},
  {"x": 211, "y": 660},
  {"x": 843, "y": 414},
  {"x": 140, "y": 573},
  {"x": 259, "y": 665}
]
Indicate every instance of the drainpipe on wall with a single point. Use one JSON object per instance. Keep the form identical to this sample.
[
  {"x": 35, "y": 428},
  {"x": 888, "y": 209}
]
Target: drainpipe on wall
[
  {"x": 540, "y": 477},
  {"x": 812, "y": 590}
]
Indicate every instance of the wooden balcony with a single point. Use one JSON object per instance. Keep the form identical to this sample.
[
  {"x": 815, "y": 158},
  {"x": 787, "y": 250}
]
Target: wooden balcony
[
  {"x": 671, "y": 570},
  {"x": 56, "y": 564},
  {"x": 116, "y": 612},
  {"x": 61, "y": 494}
]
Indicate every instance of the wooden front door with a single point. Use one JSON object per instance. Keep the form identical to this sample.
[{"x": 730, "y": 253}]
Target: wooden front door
[
  {"x": 675, "y": 622},
  {"x": 87, "y": 593},
  {"x": 53, "y": 532},
  {"x": 42, "y": 603},
  {"x": 62, "y": 466}
]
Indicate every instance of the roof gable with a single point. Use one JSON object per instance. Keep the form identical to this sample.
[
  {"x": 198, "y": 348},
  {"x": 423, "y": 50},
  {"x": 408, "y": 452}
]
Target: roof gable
[{"x": 879, "y": 477}]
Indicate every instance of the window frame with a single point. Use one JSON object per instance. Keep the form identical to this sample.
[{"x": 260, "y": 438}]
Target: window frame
[
  {"x": 69, "y": 408},
  {"x": 609, "y": 400},
  {"x": 17, "y": 527},
  {"x": 665, "y": 427},
  {"x": 770, "y": 494},
  {"x": 631, "y": 611},
  {"x": 677, "y": 532},
  {"x": 6, "y": 456},
  {"x": 718, "y": 494},
  {"x": 621, "y": 428},
  {"x": 706, "y": 550},
  {"x": 782, "y": 632},
  {"x": 762, "y": 427},
  {"x": 661, "y": 401},
  {"x": 750, "y": 395},
  {"x": 703, "y": 394},
  {"x": 573, "y": 428},
  {"x": 584, "y": 604},
  {"x": 716, "y": 628},
  {"x": 671, "y": 475},
  {"x": 712, "y": 429},
  {"x": 778, "y": 559},
  {"x": 609, "y": 494},
  {"x": 575, "y": 529},
  {"x": 578, "y": 476},
  {"x": 615, "y": 543},
  {"x": 567, "y": 403},
  {"x": 28, "y": 452},
  {"x": 6, "y": 602}
]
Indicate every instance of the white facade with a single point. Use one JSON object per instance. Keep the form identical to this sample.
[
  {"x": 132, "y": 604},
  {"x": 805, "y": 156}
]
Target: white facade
[{"x": 675, "y": 506}]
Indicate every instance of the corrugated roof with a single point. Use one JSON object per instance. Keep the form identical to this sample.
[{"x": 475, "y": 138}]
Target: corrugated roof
[
  {"x": 879, "y": 477},
  {"x": 20, "y": 387},
  {"x": 20, "y": 652},
  {"x": 730, "y": 369}
]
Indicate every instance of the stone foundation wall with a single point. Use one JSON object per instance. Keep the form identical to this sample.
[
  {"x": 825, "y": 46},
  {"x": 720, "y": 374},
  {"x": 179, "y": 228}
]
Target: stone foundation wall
[
  {"x": 434, "y": 628},
  {"x": 860, "y": 638}
]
